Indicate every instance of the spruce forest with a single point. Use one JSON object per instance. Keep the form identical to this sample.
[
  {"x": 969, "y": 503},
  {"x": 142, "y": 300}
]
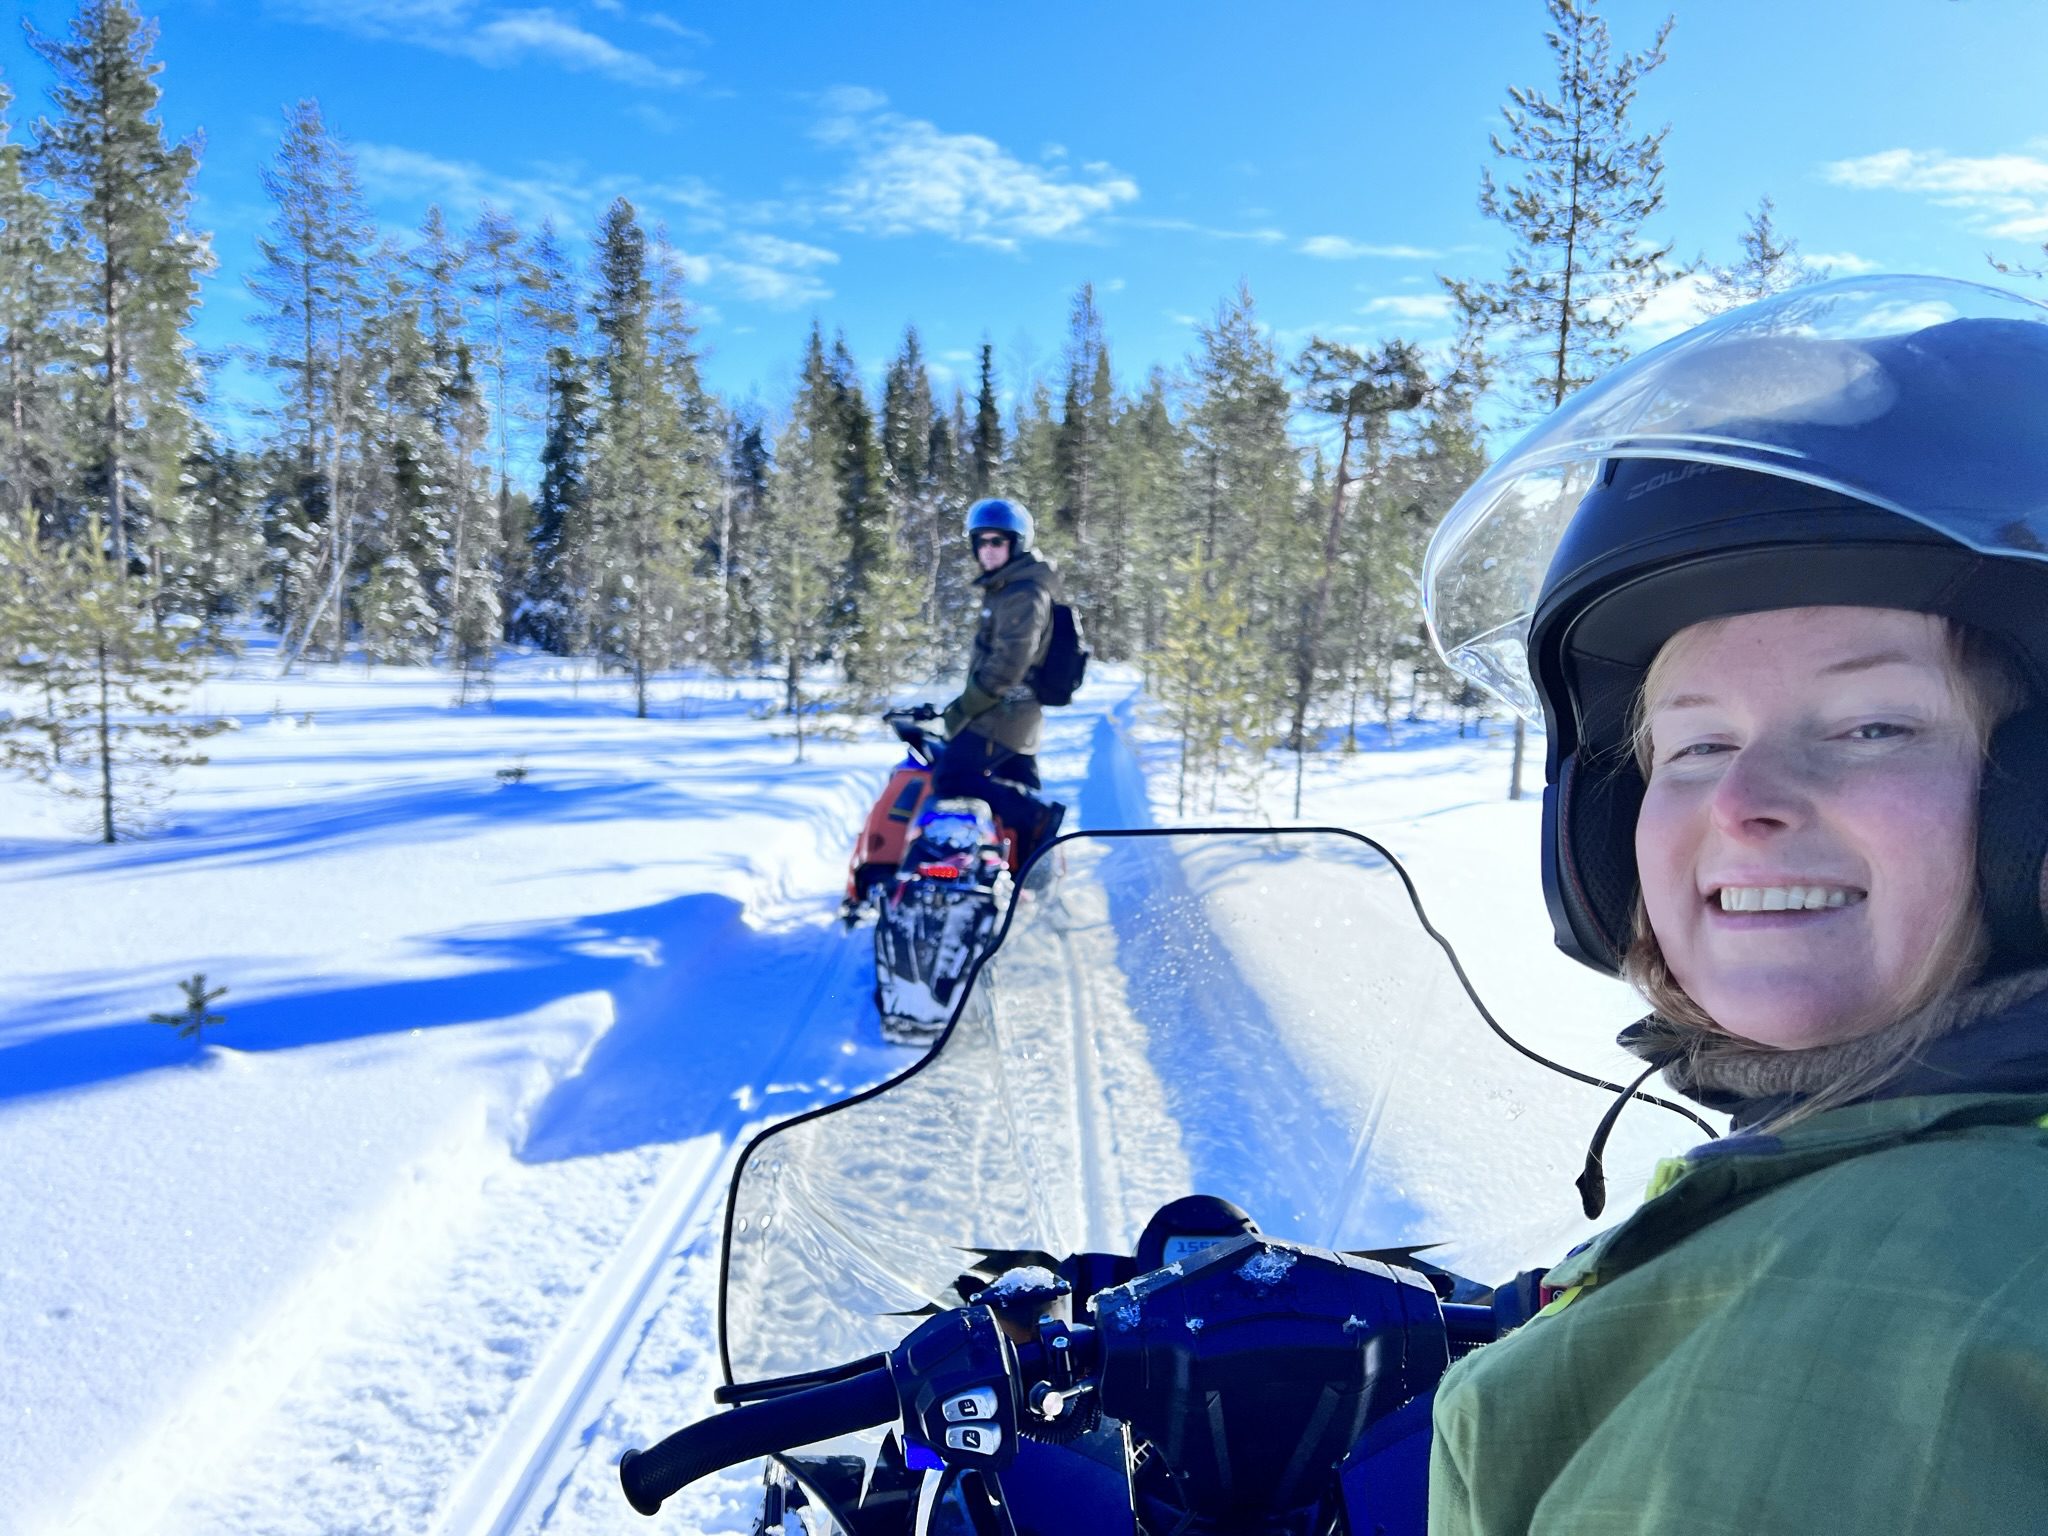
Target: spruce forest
[{"x": 493, "y": 435}]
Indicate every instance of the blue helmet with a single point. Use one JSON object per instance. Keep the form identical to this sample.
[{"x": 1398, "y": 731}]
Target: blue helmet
[{"x": 1003, "y": 516}]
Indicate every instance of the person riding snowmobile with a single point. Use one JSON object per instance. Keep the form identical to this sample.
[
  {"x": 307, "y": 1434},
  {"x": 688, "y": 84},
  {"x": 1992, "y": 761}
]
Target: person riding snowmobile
[
  {"x": 1784, "y": 588},
  {"x": 993, "y": 727}
]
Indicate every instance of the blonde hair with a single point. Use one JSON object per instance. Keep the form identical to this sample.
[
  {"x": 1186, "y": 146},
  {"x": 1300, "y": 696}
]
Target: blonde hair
[{"x": 1989, "y": 689}]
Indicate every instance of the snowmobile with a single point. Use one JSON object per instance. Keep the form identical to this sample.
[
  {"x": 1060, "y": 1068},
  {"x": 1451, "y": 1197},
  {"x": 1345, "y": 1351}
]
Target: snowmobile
[
  {"x": 1139, "y": 1246},
  {"x": 938, "y": 876}
]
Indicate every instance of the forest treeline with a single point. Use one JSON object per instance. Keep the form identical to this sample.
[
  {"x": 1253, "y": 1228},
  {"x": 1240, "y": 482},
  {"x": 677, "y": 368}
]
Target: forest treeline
[{"x": 492, "y": 434}]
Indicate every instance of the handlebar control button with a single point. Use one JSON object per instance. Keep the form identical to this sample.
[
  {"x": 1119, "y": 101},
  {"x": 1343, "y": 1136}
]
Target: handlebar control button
[
  {"x": 975, "y": 1439},
  {"x": 971, "y": 1407}
]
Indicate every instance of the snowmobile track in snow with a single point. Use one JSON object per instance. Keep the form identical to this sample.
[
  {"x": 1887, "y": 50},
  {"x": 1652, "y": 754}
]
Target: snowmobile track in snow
[{"x": 511, "y": 1487}]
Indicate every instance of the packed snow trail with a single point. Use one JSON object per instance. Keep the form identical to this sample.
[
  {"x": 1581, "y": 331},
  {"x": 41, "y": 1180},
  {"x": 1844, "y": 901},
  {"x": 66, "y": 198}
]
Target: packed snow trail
[
  {"x": 664, "y": 1371},
  {"x": 509, "y": 1487}
]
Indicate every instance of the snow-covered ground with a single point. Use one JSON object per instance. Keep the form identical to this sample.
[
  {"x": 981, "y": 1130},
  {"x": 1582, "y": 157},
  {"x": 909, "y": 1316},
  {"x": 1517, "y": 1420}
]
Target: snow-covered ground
[{"x": 427, "y": 1230}]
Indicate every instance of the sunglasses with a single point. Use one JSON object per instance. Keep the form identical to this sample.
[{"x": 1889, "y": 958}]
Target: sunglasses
[{"x": 990, "y": 540}]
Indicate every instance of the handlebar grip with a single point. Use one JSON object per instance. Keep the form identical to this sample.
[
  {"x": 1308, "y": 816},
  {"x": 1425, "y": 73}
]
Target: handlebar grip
[{"x": 757, "y": 1429}]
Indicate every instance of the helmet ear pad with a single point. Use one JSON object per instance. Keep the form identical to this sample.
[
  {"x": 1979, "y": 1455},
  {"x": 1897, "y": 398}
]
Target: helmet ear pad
[
  {"x": 1589, "y": 865},
  {"x": 2012, "y": 839}
]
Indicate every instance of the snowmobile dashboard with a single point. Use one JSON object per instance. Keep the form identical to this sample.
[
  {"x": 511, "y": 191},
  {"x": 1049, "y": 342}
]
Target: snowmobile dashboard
[{"x": 1240, "y": 1372}]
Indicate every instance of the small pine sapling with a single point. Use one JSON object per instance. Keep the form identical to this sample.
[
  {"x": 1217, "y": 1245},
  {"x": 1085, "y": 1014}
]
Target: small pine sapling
[{"x": 195, "y": 1019}]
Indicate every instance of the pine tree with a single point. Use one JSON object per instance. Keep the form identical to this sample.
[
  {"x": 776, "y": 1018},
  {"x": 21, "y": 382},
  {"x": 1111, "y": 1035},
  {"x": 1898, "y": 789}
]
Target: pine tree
[
  {"x": 404, "y": 475},
  {"x": 314, "y": 289},
  {"x": 125, "y": 194},
  {"x": 1081, "y": 446},
  {"x": 220, "y": 558},
  {"x": 985, "y": 445},
  {"x": 1769, "y": 264},
  {"x": 744, "y": 570},
  {"x": 801, "y": 540},
  {"x": 650, "y": 479},
  {"x": 1358, "y": 393},
  {"x": 1244, "y": 480},
  {"x": 1148, "y": 524},
  {"x": 916, "y": 461},
  {"x": 104, "y": 680},
  {"x": 1211, "y": 678},
  {"x": 877, "y": 598},
  {"x": 497, "y": 279},
  {"x": 1030, "y": 471},
  {"x": 39, "y": 350},
  {"x": 472, "y": 566},
  {"x": 552, "y": 589},
  {"x": 1580, "y": 270}
]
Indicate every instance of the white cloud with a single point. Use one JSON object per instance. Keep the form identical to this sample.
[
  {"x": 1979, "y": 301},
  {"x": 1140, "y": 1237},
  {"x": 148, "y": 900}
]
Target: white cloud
[
  {"x": 2006, "y": 195},
  {"x": 674, "y": 28},
  {"x": 1260, "y": 236},
  {"x": 776, "y": 251},
  {"x": 1338, "y": 248},
  {"x": 756, "y": 266},
  {"x": 911, "y": 177},
  {"x": 1409, "y": 306},
  {"x": 1842, "y": 263},
  {"x": 492, "y": 36},
  {"x": 566, "y": 193},
  {"x": 1678, "y": 306},
  {"x": 462, "y": 186}
]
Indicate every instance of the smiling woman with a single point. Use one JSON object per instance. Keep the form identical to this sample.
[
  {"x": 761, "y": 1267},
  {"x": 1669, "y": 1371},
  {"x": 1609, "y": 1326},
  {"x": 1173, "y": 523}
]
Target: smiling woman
[
  {"x": 1806, "y": 843},
  {"x": 1780, "y": 592}
]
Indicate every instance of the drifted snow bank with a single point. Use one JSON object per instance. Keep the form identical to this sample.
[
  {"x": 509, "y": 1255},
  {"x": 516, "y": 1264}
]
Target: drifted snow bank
[{"x": 426, "y": 961}]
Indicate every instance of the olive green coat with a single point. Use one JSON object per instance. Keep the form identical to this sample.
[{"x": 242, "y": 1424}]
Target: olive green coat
[
  {"x": 1015, "y": 629},
  {"x": 1842, "y": 1328}
]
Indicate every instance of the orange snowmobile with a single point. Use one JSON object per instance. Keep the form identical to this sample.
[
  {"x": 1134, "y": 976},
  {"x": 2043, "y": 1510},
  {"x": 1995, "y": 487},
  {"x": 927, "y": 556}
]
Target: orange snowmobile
[{"x": 938, "y": 874}]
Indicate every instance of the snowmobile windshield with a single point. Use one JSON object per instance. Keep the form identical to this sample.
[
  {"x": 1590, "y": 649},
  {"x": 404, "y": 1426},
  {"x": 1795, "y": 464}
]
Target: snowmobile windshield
[
  {"x": 1923, "y": 396},
  {"x": 1261, "y": 1016}
]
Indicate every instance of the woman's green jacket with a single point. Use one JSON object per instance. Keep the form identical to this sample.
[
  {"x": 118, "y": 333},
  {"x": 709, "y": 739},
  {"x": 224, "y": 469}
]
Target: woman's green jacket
[{"x": 1840, "y": 1328}]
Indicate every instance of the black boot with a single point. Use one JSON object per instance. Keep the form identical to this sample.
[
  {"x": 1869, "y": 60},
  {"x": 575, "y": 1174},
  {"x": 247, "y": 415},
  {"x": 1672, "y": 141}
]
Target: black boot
[{"x": 1042, "y": 829}]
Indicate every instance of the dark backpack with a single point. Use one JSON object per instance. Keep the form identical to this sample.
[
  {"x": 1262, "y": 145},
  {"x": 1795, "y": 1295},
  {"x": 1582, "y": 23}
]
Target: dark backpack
[{"x": 1058, "y": 677}]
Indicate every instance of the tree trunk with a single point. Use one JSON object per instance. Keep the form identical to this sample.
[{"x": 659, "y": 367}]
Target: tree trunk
[
  {"x": 117, "y": 503},
  {"x": 1311, "y": 631},
  {"x": 106, "y": 731},
  {"x": 1515, "y": 778}
]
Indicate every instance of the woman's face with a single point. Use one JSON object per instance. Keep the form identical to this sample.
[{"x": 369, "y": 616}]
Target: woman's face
[{"x": 1807, "y": 836}]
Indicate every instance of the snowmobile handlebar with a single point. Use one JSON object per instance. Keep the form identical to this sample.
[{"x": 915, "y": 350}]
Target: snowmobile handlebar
[
  {"x": 756, "y": 1429},
  {"x": 916, "y": 729}
]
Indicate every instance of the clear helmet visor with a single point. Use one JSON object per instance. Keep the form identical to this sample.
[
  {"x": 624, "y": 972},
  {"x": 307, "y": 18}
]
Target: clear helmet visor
[{"x": 1922, "y": 396}]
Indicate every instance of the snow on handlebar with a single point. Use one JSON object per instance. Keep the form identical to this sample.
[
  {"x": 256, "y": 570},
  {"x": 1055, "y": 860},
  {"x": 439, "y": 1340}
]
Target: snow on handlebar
[{"x": 757, "y": 1429}]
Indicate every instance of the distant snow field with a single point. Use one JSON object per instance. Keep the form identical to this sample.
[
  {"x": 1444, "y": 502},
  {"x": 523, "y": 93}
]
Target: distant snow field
[{"x": 427, "y": 1230}]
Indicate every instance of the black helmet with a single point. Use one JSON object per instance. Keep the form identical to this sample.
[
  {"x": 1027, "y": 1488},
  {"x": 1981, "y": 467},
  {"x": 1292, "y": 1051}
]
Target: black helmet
[
  {"x": 1003, "y": 516},
  {"x": 1878, "y": 442}
]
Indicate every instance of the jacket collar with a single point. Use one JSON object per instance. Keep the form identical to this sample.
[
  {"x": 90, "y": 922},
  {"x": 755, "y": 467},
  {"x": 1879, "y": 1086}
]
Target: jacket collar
[
  {"x": 1992, "y": 1037},
  {"x": 1687, "y": 1193}
]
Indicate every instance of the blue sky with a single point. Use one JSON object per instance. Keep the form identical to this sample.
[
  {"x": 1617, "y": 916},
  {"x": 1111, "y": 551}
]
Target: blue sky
[{"x": 964, "y": 168}]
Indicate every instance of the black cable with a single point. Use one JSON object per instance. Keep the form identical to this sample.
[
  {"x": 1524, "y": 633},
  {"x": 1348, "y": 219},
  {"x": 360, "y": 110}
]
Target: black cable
[{"x": 1592, "y": 1180}]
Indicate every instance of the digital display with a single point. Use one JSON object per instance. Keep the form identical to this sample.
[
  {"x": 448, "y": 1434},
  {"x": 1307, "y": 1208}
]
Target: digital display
[{"x": 1178, "y": 1248}]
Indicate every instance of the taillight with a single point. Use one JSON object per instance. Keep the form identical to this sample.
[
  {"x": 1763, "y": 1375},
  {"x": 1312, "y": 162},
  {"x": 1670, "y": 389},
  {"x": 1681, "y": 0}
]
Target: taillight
[{"x": 939, "y": 871}]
